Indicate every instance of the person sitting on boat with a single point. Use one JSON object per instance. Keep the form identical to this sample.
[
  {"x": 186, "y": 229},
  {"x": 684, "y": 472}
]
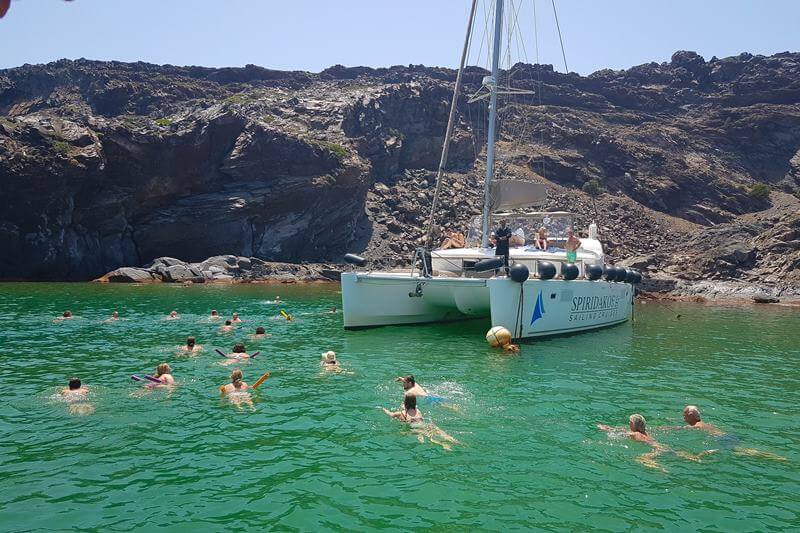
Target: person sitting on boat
[
  {"x": 409, "y": 413},
  {"x": 501, "y": 237},
  {"x": 191, "y": 345},
  {"x": 517, "y": 238},
  {"x": 541, "y": 239},
  {"x": 164, "y": 374},
  {"x": 411, "y": 387},
  {"x": 454, "y": 239},
  {"x": 329, "y": 362}
]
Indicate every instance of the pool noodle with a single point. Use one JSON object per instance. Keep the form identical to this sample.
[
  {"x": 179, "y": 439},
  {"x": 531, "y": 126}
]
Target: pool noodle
[
  {"x": 260, "y": 380},
  {"x": 220, "y": 352},
  {"x": 148, "y": 377},
  {"x": 136, "y": 378},
  {"x": 255, "y": 354}
]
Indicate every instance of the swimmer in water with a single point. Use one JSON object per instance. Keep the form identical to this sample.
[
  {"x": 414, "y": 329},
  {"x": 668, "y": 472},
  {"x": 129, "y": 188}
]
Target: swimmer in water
[
  {"x": 74, "y": 390},
  {"x": 173, "y": 315},
  {"x": 411, "y": 387},
  {"x": 236, "y": 318},
  {"x": 691, "y": 415},
  {"x": 164, "y": 374},
  {"x": 191, "y": 345},
  {"x": 228, "y": 327},
  {"x": 511, "y": 348},
  {"x": 638, "y": 432},
  {"x": 260, "y": 333},
  {"x": 76, "y": 395},
  {"x": 66, "y": 315},
  {"x": 333, "y": 309},
  {"x": 113, "y": 318},
  {"x": 236, "y": 385},
  {"x": 329, "y": 362},
  {"x": 238, "y": 352},
  {"x": 236, "y": 390},
  {"x": 214, "y": 315},
  {"x": 409, "y": 413}
]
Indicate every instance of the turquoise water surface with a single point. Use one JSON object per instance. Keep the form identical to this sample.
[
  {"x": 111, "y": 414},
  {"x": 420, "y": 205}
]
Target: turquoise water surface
[{"x": 315, "y": 452}]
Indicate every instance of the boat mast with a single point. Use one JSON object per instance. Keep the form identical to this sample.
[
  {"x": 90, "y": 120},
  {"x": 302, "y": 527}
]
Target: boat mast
[
  {"x": 450, "y": 123},
  {"x": 491, "y": 84}
]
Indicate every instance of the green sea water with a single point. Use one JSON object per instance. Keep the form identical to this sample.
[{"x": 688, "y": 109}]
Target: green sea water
[{"x": 316, "y": 453}]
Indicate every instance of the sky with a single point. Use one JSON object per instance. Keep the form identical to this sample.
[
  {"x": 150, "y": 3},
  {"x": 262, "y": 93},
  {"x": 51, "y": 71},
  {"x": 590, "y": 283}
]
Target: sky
[{"x": 314, "y": 34}]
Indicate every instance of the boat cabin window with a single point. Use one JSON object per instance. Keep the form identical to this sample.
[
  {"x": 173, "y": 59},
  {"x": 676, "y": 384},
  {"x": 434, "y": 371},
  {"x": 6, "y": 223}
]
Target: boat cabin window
[{"x": 555, "y": 222}]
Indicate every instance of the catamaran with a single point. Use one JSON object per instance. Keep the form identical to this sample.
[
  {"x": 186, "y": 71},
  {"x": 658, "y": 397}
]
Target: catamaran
[{"x": 545, "y": 289}]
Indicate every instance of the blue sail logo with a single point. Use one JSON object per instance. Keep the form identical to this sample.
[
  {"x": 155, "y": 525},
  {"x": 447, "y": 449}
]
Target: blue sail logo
[{"x": 538, "y": 310}]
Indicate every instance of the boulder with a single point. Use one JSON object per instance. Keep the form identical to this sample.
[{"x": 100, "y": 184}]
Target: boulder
[{"x": 129, "y": 275}]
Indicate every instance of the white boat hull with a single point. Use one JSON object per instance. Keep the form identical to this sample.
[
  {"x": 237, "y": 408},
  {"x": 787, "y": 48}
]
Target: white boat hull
[
  {"x": 555, "y": 307},
  {"x": 381, "y": 299}
]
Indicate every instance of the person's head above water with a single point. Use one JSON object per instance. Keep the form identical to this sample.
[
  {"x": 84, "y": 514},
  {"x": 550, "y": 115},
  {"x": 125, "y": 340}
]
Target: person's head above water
[
  {"x": 637, "y": 424},
  {"x": 214, "y": 312},
  {"x": 115, "y": 314},
  {"x": 260, "y": 330},
  {"x": 410, "y": 402},
  {"x": 162, "y": 369},
  {"x": 228, "y": 322},
  {"x": 173, "y": 313},
  {"x": 236, "y": 376},
  {"x": 691, "y": 414},
  {"x": 408, "y": 381},
  {"x": 238, "y": 348},
  {"x": 235, "y": 316},
  {"x": 329, "y": 357},
  {"x": 190, "y": 341},
  {"x": 74, "y": 383},
  {"x": 67, "y": 314}
]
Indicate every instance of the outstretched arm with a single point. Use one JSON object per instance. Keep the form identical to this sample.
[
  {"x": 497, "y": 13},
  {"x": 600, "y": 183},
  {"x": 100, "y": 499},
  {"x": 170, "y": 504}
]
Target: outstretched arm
[{"x": 649, "y": 459}]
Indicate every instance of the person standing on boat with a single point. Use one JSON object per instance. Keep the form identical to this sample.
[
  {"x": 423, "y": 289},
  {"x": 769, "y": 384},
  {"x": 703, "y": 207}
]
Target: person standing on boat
[
  {"x": 572, "y": 245},
  {"x": 501, "y": 239}
]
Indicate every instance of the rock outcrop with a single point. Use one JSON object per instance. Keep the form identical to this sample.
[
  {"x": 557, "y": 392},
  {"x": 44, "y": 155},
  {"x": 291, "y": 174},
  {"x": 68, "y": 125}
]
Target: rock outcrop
[
  {"x": 108, "y": 164},
  {"x": 221, "y": 269}
]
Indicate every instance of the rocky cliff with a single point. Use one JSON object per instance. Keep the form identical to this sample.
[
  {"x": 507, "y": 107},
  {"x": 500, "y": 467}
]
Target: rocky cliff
[{"x": 105, "y": 164}]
